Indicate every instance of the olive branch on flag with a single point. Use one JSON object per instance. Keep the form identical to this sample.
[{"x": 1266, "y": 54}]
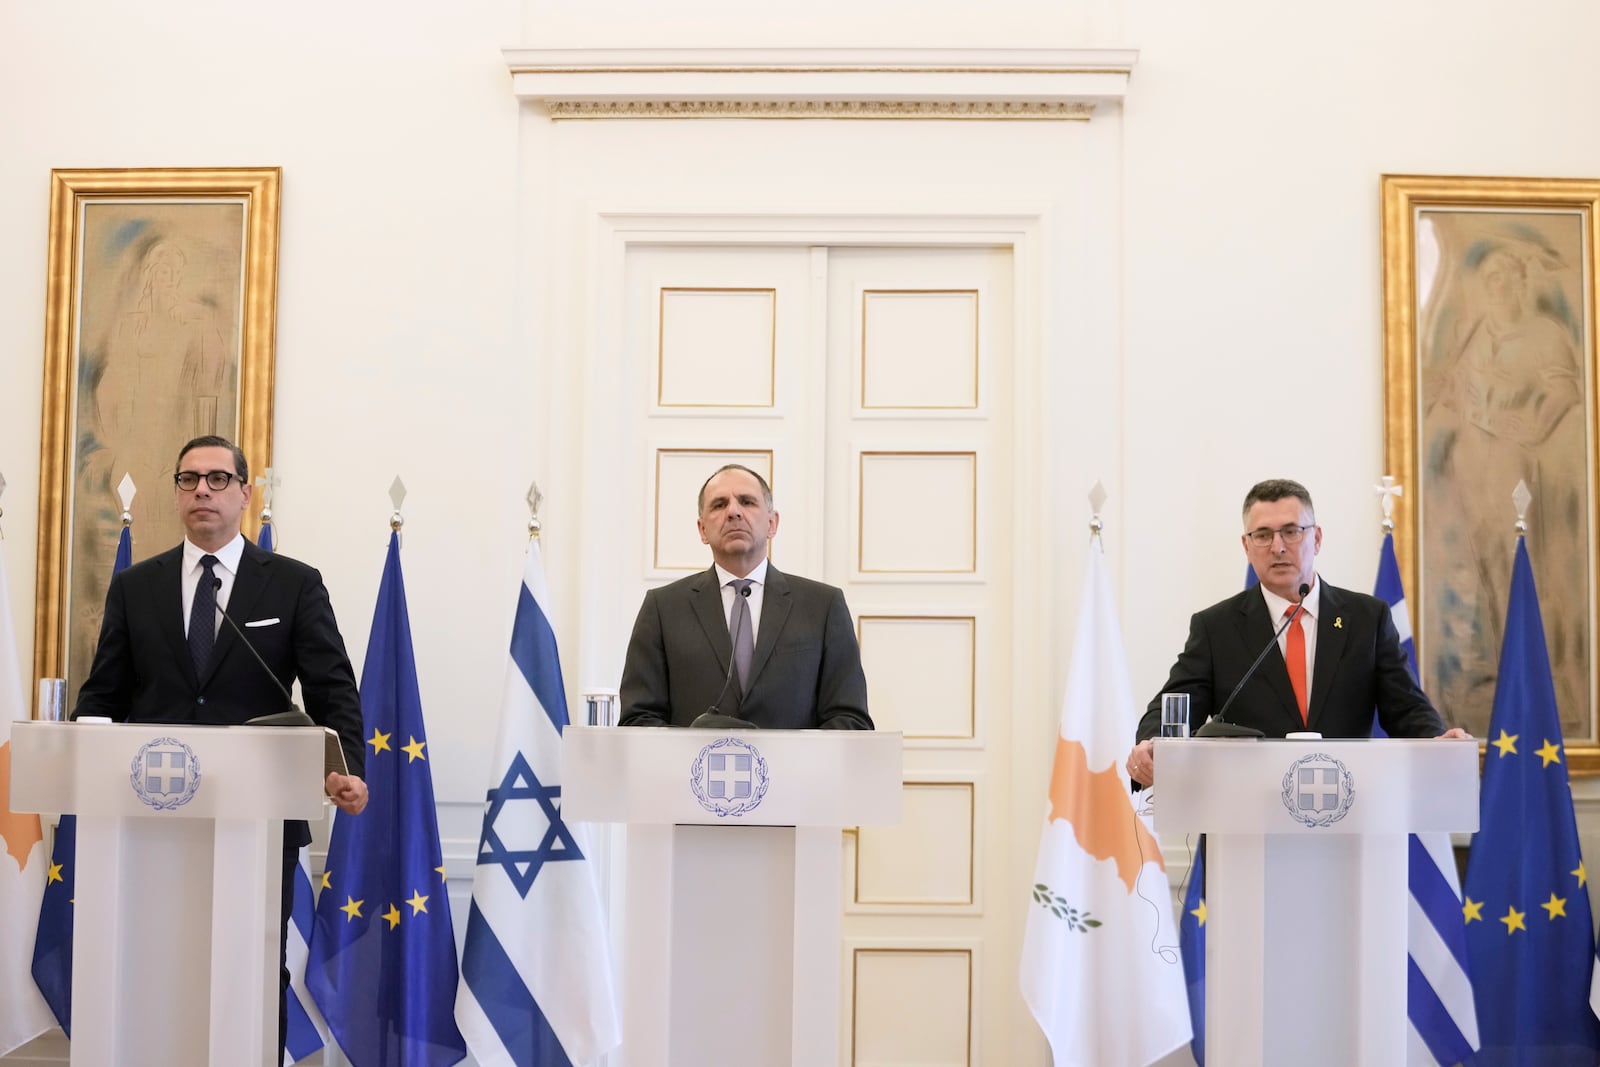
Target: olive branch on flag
[{"x": 1058, "y": 906}]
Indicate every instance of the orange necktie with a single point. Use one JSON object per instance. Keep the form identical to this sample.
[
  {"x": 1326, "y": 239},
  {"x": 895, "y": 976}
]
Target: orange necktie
[{"x": 1294, "y": 656}]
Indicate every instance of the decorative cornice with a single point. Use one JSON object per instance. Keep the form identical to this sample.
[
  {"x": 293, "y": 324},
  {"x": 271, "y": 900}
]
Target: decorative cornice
[
  {"x": 819, "y": 109},
  {"x": 970, "y": 84}
]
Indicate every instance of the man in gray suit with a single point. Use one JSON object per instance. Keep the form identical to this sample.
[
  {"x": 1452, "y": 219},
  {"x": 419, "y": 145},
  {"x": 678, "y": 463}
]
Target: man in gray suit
[{"x": 800, "y": 668}]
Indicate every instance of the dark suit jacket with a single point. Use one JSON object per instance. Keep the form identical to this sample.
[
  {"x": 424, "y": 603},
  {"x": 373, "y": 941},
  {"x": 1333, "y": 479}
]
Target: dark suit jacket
[
  {"x": 805, "y": 672},
  {"x": 1359, "y": 667},
  {"x": 142, "y": 670}
]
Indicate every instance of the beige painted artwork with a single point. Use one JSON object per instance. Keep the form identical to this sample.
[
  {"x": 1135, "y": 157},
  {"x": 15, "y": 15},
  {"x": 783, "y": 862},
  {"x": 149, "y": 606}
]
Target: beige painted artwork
[
  {"x": 158, "y": 363},
  {"x": 1501, "y": 333}
]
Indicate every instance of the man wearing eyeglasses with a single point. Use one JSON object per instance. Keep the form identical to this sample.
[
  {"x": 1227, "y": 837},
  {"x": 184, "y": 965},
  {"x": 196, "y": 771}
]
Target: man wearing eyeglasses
[
  {"x": 166, "y": 655},
  {"x": 1338, "y": 656}
]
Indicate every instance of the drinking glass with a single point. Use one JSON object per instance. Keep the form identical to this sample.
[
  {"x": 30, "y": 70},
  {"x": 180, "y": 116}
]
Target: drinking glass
[
  {"x": 1174, "y": 714},
  {"x": 52, "y": 699}
]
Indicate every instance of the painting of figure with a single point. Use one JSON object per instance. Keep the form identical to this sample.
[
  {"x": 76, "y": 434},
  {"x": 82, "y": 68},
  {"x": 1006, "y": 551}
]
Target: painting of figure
[
  {"x": 161, "y": 286},
  {"x": 1501, "y": 340}
]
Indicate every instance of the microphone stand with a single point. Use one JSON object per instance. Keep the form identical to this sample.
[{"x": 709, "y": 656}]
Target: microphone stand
[{"x": 1217, "y": 725}]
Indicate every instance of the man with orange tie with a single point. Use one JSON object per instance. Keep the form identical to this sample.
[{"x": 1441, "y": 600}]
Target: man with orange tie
[{"x": 1337, "y": 658}]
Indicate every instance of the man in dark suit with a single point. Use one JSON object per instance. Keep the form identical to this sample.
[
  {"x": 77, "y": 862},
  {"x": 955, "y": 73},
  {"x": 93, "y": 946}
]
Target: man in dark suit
[
  {"x": 804, "y": 667},
  {"x": 1344, "y": 661},
  {"x": 165, "y": 654}
]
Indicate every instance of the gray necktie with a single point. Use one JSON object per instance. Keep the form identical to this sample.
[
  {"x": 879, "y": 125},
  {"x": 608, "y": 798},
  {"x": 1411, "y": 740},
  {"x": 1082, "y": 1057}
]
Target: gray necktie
[
  {"x": 203, "y": 616},
  {"x": 744, "y": 641}
]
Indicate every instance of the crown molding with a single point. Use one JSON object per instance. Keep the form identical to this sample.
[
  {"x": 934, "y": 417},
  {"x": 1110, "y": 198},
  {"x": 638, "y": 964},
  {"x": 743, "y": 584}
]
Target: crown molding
[{"x": 848, "y": 83}]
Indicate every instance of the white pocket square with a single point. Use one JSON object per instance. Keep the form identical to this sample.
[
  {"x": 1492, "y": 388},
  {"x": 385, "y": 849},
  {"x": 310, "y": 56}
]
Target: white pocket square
[{"x": 261, "y": 622}]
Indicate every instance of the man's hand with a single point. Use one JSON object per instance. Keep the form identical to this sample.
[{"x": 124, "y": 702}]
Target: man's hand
[
  {"x": 347, "y": 792},
  {"x": 1142, "y": 763},
  {"x": 1457, "y": 733}
]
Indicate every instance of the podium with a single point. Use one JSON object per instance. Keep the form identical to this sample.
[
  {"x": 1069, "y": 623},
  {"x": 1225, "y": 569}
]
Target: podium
[
  {"x": 732, "y": 913},
  {"x": 178, "y": 907},
  {"x": 1306, "y": 884}
]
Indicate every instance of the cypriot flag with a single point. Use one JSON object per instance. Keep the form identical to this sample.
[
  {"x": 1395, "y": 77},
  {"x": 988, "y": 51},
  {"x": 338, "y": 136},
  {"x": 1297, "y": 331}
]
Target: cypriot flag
[
  {"x": 1100, "y": 965},
  {"x": 23, "y": 859}
]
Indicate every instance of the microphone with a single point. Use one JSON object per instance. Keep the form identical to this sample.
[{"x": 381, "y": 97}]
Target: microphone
[
  {"x": 292, "y": 716},
  {"x": 1217, "y": 726},
  {"x": 713, "y": 718}
]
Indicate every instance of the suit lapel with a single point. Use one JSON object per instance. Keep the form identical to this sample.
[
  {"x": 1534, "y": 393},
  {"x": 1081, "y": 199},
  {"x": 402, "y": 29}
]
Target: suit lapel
[
  {"x": 775, "y": 606},
  {"x": 1258, "y": 628},
  {"x": 248, "y": 585},
  {"x": 1331, "y": 640},
  {"x": 706, "y": 599},
  {"x": 168, "y": 606}
]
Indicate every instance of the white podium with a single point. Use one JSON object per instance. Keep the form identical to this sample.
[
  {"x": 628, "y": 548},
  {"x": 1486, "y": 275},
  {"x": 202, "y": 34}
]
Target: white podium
[
  {"x": 731, "y": 928},
  {"x": 178, "y": 892},
  {"x": 1306, "y": 887}
]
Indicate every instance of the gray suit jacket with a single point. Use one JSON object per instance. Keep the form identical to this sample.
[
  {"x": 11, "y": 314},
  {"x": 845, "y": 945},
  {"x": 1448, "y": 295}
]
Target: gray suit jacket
[{"x": 805, "y": 674}]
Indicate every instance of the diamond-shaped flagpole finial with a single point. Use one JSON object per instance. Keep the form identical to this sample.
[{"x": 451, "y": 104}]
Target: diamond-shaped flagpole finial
[
  {"x": 534, "y": 498},
  {"x": 397, "y": 493},
  {"x": 126, "y": 491},
  {"x": 1097, "y": 501},
  {"x": 1521, "y": 497}
]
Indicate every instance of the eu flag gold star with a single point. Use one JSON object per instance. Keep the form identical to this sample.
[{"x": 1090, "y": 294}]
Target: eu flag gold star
[
  {"x": 392, "y": 916},
  {"x": 1472, "y": 911},
  {"x": 1555, "y": 906},
  {"x": 414, "y": 750},
  {"x": 352, "y": 908},
  {"x": 55, "y": 874},
  {"x": 327, "y": 880},
  {"x": 1513, "y": 920},
  {"x": 1506, "y": 743},
  {"x": 418, "y": 902},
  {"x": 1583, "y": 878},
  {"x": 1550, "y": 753},
  {"x": 379, "y": 741},
  {"x": 441, "y": 873},
  {"x": 1200, "y": 912}
]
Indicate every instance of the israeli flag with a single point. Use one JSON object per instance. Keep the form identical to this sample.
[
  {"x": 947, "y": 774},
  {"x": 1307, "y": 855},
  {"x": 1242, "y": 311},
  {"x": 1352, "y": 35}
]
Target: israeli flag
[{"x": 536, "y": 983}]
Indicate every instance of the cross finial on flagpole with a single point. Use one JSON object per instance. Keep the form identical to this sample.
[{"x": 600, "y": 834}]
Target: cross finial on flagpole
[
  {"x": 1388, "y": 492},
  {"x": 1521, "y": 497},
  {"x": 534, "y": 497}
]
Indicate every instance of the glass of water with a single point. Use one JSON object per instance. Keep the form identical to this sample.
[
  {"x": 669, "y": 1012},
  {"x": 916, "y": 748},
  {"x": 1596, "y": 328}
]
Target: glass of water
[
  {"x": 52, "y": 699},
  {"x": 1174, "y": 714}
]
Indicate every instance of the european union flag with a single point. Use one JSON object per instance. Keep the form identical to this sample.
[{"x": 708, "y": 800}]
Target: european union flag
[
  {"x": 52, "y": 946},
  {"x": 1192, "y": 946},
  {"x": 1529, "y": 930},
  {"x": 382, "y": 963}
]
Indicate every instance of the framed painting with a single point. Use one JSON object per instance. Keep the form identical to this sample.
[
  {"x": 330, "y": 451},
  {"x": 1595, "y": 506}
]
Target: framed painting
[
  {"x": 159, "y": 327},
  {"x": 1489, "y": 366}
]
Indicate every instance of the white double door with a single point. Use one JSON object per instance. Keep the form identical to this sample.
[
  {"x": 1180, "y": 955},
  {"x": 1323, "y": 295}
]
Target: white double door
[{"x": 876, "y": 388}]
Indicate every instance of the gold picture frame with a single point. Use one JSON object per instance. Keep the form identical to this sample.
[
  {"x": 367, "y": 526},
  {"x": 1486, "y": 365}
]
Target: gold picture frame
[
  {"x": 160, "y": 319},
  {"x": 1489, "y": 299}
]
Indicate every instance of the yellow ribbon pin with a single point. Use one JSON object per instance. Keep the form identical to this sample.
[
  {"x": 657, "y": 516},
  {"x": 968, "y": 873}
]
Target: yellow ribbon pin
[{"x": 1338, "y": 622}]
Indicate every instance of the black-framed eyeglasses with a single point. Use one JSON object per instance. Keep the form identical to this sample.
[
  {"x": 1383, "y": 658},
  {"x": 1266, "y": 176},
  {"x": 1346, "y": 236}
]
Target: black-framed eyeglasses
[
  {"x": 217, "y": 481},
  {"x": 1292, "y": 535}
]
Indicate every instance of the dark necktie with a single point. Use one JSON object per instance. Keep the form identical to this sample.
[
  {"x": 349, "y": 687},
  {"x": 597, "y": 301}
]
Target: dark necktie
[
  {"x": 743, "y": 634},
  {"x": 203, "y": 616}
]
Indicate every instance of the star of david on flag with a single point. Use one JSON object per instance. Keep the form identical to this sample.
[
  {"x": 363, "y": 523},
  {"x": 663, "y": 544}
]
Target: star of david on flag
[{"x": 536, "y": 981}]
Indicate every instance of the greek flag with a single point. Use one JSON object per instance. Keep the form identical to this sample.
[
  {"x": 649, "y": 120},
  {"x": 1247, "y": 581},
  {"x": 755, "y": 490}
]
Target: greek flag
[
  {"x": 1439, "y": 1001},
  {"x": 536, "y": 985}
]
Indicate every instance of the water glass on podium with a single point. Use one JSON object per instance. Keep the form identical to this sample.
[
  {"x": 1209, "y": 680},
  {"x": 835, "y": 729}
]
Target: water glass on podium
[
  {"x": 1174, "y": 714},
  {"x": 52, "y": 700}
]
